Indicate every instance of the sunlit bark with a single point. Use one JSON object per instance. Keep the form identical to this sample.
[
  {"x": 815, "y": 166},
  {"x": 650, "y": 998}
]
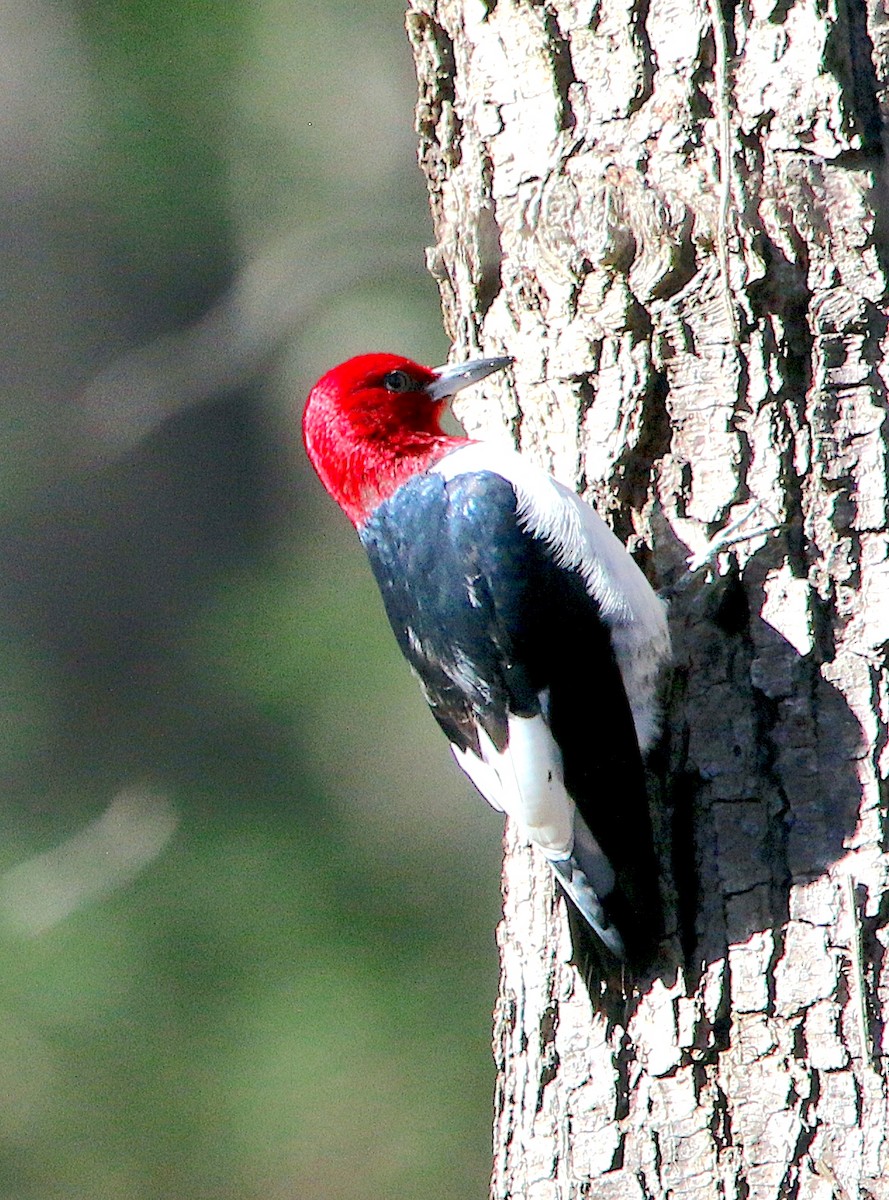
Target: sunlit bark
[{"x": 674, "y": 217}]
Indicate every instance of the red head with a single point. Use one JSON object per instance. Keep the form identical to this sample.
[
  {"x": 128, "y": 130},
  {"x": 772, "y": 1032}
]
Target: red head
[{"x": 372, "y": 422}]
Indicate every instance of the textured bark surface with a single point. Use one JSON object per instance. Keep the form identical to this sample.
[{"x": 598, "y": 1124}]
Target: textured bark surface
[{"x": 675, "y": 218}]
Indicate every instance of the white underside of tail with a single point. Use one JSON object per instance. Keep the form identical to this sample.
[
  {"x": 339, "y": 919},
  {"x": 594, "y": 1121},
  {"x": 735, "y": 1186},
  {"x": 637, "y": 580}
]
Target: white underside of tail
[{"x": 524, "y": 780}]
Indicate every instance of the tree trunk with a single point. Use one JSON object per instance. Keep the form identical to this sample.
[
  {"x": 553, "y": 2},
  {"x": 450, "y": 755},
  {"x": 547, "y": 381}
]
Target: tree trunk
[{"x": 675, "y": 218}]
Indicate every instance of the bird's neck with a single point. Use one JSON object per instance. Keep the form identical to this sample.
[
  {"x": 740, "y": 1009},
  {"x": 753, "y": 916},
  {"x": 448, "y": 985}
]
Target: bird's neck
[{"x": 361, "y": 473}]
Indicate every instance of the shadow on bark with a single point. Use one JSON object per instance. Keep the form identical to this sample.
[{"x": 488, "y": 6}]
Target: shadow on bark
[{"x": 745, "y": 707}]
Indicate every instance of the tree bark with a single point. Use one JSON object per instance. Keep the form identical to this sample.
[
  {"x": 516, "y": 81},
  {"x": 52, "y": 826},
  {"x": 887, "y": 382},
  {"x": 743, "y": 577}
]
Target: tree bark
[{"x": 675, "y": 218}]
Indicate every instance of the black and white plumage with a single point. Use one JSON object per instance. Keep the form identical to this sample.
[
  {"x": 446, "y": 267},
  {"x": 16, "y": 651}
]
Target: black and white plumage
[
  {"x": 539, "y": 645},
  {"x": 537, "y": 642}
]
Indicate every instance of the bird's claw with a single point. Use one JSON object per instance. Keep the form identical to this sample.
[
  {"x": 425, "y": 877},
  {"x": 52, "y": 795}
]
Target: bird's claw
[{"x": 730, "y": 536}]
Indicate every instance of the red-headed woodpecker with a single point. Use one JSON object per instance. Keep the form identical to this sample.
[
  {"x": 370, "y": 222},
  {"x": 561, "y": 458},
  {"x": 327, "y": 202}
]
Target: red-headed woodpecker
[{"x": 537, "y": 640}]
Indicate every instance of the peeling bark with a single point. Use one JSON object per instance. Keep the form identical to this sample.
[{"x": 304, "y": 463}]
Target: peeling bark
[{"x": 675, "y": 217}]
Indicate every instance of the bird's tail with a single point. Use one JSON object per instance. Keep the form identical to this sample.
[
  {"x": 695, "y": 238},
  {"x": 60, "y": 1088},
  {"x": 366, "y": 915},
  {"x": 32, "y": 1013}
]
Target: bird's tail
[{"x": 588, "y": 879}]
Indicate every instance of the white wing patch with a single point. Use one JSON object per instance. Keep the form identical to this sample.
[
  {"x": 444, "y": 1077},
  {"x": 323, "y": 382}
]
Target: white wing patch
[
  {"x": 525, "y": 781},
  {"x": 635, "y": 615}
]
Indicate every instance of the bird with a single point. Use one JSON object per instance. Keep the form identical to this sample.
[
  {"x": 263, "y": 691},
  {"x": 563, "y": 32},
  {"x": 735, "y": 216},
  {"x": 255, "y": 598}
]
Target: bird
[{"x": 537, "y": 640}]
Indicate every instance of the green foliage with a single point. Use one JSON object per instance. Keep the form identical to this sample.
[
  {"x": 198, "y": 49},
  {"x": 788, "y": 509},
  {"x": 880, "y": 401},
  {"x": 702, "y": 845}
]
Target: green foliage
[{"x": 246, "y": 901}]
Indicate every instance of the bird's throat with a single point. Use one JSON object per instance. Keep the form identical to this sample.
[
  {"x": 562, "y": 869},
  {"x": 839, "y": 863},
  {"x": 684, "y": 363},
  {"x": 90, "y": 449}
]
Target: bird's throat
[{"x": 371, "y": 472}]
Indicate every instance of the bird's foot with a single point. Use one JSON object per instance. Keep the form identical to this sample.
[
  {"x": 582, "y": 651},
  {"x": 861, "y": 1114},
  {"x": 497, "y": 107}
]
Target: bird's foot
[{"x": 732, "y": 536}]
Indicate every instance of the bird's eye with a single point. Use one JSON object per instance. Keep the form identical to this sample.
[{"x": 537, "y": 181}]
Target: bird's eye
[{"x": 399, "y": 381}]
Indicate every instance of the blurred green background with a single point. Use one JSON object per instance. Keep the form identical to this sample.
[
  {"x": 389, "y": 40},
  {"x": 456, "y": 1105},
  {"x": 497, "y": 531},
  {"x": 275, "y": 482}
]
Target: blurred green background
[{"x": 246, "y": 901}]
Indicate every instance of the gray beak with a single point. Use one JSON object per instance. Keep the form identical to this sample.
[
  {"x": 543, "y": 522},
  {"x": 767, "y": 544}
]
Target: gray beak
[{"x": 451, "y": 379}]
